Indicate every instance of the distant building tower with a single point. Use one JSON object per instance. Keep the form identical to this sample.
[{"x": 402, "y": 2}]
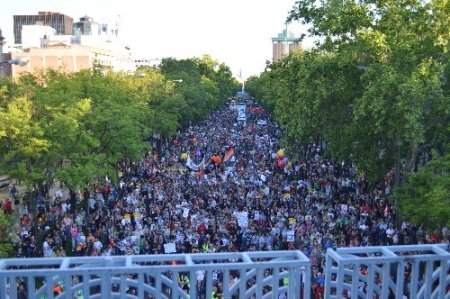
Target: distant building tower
[
  {"x": 61, "y": 23},
  {"x": 87, "y": 26},
  {"x": 285, "y": 43}
]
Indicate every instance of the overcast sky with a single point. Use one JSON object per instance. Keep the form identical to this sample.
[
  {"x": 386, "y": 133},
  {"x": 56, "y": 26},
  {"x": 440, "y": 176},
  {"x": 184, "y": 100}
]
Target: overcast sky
[{"x": 235, "y": 32}]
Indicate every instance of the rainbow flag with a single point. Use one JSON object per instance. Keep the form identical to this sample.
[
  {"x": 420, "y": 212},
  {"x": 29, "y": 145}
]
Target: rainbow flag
[{"x": 229, "y": 156}]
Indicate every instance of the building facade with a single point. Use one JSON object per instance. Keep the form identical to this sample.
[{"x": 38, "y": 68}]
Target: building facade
[
  {"x": 146, "y": 62},
  {"x": 61, "y": 23},
  {"x": 90, "y": 46},
  {"x": 286, "y": 42},
  {"x": 70, "y": 59}
]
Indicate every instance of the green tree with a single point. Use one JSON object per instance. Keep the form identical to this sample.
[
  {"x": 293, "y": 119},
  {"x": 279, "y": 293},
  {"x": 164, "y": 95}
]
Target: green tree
[
  {"x": 74, "y": 128},
  {"x": 397, "y": 106},
  {"x": 116, "y": 125},
  {"x": 311, "y": 96},
  {"x": 397, "y": 113},
  {"x": 425, "y": 197},
  {"x": 219, "y": 74},
  {"x": 6, "y": 244},
  {"x": 205, "y": 84},
  {"x": 375, "y": 89},
  {"x": 22, "y": 142}
]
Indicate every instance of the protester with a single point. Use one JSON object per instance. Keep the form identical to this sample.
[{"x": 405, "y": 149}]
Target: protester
[{"x": 221, "y": 186}]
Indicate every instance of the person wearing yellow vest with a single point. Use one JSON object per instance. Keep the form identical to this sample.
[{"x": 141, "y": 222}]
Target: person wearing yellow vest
[
  {"x": 214, "y": 293},
  {"x": 184, "y": 282},
  {"x": 78, "y": 295}
]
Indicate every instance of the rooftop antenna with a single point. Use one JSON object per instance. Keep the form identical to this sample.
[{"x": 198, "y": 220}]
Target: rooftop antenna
[
  {"x": 240, "y": 77},
  {"x": 286, "y": 43},
  {"x": 118, "y": 25}
]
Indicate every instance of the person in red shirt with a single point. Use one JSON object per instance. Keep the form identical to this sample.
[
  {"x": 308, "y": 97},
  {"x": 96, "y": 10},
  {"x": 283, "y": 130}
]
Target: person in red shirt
[
  {"x": 318, "y": 291},
  {"x": 201, "y": 229},
  {"x": 433, "y": 239},
  {"x": 7, "y": 207}
]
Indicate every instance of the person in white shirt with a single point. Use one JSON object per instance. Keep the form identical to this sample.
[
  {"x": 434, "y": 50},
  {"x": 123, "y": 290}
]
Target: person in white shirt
[
  {"x": 48, "y": 252},
  {"x": 200, "y": 275},
  {"x": 123, "y": 245},
  {"x": 107, "y": 252},
  {"x": 390, "y": 232},
  {"x": 97, "y": 245}
]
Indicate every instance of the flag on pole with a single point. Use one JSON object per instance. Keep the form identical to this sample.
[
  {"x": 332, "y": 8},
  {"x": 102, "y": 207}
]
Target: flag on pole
[
  {"x": 229, "y": 157},
  {"x": 229, "y": 154}
]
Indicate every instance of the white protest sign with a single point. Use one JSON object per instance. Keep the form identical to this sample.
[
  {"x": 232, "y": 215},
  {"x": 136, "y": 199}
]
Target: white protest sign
[
  {"x": 263, "y": 178},
  {"x": 242, "y": 219},
  {"x": 290, "y": 236},
  {"x": 170, "y": 248}
]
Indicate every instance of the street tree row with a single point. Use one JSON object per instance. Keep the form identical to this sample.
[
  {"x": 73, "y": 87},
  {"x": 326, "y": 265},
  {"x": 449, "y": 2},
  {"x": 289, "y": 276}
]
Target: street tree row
[
  {"x": 375, "y": 90},
  {"x": 76, "y": 127}
]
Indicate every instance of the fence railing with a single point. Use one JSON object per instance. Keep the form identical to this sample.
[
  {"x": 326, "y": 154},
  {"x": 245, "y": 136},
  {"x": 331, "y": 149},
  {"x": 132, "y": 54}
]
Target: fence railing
[
  {"x": 420, "y": 271},
  {"x": 239, "y": 275}
]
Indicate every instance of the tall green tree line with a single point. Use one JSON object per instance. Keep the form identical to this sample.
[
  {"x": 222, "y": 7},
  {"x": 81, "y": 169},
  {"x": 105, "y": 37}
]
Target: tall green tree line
[
  {"x": 375, "y": 89},
  {"x": 74, "y": 128}
]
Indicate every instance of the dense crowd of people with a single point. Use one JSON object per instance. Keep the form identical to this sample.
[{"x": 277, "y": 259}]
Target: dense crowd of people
[{"x": 221, "y": 185}]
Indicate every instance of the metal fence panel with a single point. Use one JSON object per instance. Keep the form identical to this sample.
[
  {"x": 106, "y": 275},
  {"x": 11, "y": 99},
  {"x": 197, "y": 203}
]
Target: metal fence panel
[
  {"x": 239, "y": 275},
  {"x": 421, "y": 271},
  {"x": 413, "y": 271}
]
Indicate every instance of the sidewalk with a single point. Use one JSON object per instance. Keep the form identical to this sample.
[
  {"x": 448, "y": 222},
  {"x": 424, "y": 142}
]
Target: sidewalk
[
  {"x": 5, "y": 192},
  {"x": 5, "y": 187}
]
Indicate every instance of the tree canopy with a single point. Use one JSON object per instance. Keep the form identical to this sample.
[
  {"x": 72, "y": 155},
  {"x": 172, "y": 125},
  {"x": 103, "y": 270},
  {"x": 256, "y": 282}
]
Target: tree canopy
[
  {"x": 76, "y": 127},
  {"x": 374, "y": 89}
]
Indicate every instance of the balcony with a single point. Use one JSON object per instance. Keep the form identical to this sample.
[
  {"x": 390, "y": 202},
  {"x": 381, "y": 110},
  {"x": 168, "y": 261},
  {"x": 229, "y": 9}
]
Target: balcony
[{"x": 420, "y": 271}]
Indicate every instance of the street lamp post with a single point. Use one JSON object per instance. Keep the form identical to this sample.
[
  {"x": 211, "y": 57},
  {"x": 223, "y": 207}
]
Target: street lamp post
[
  {"x": 362, "y": 68},
  {"x": 21, "y": 61},
  {"x": 142, "y": 75},
  {"x": 2, "y": 42}
]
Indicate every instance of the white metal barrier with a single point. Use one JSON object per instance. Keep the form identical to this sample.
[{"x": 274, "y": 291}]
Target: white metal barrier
[
  {"x": 241, "y": 275},
  {"x": 421, "y": 271},
  {"x": 416, "y": 271}
]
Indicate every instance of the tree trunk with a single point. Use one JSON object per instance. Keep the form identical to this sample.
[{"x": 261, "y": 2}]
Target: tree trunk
[
  {"x": 397, "y": 166},
  {"x": 33, "y": 196},
  {"x": 73, "y": 203},
  {"x": 411, "y": 162},
  {"x": 86, "y": 196},
  {"x": 397, "y": 180}
]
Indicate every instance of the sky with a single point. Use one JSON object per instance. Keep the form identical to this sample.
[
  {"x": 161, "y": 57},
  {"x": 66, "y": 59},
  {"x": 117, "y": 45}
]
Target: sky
[{"x": 234, "y": 32}]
